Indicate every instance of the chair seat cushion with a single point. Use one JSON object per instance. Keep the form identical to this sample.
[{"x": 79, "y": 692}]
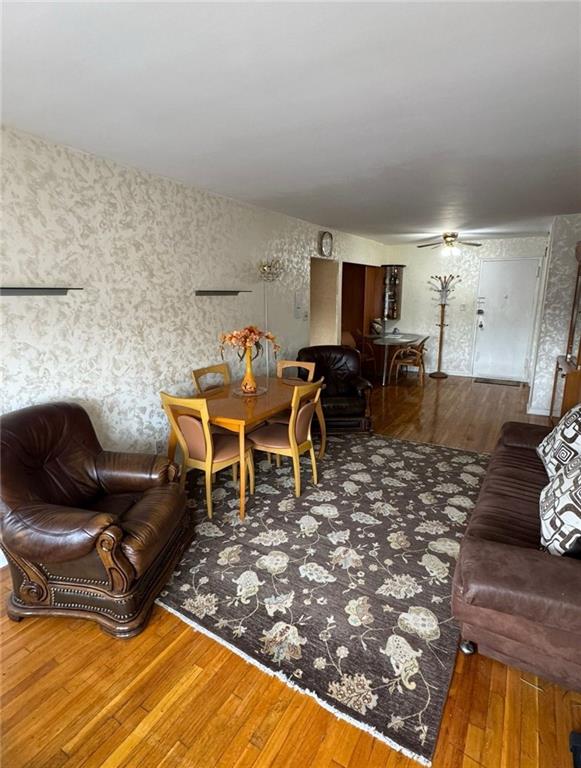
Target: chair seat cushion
[
  {"x": 149, "y": 525},
  {"x": 227, "y": 447},
  {"x": 271, "y": 436}
]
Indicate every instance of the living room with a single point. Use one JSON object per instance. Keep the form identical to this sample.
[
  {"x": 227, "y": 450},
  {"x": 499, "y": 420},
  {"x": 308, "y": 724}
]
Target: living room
[{"x": 291, "y": 394}]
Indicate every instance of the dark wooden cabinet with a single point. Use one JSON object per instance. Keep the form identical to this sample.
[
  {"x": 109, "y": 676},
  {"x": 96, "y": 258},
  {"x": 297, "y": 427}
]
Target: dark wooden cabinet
[{"x": 362, "y": 297}]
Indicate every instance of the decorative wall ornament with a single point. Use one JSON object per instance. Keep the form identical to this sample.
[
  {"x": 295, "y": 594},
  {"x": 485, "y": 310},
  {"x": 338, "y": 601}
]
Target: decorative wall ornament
[{"x": 443, "y": 285}]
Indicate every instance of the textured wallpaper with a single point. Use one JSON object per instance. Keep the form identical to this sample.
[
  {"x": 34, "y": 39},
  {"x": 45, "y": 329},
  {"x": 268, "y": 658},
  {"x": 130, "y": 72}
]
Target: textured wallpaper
[
  {"x": 421, "y": 313},
  {"x": 138, "y": 245},
  {"x": 556, "y": 315}
]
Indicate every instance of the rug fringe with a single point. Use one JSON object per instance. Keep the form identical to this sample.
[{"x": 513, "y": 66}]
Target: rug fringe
[{"x": 287, "y": 681}]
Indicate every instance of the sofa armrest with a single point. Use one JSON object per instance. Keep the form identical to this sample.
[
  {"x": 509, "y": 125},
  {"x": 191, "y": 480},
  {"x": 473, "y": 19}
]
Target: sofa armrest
[
  {"x": 520, "y": 581},
  {"x": 50, "y": 533},
  {"x": 517, "y": 434},
  {"x": 133, "y": 472},
  {"x": 362, "y": 385}
]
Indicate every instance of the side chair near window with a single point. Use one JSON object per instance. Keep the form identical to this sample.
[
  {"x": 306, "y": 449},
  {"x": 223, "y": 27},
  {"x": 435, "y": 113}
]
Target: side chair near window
[
  {"x": 219, "y": 369},
  {"x": 201, "y": 448},
  {"x": 293, "y": 439},
  {"x": 410, "y": 357},
  {"x": 88, "y": 533}
]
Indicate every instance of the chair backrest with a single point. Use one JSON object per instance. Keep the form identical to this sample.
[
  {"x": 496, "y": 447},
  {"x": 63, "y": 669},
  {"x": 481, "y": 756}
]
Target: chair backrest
[
  {"x": 304, "y": 402},
  {"x": 421, "y": 344},
  {"x": 219, "y": 369},
  {"x": 339, "y": 365},
  {"x": 190, "y": 421},
  {"x": 49, "y": 455},
  {"x": 282, "y": 365}
]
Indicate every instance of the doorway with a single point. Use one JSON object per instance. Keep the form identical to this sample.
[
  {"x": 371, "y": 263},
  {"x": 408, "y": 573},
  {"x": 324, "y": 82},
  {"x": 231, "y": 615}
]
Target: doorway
[
  {"x": 324, "y": 309},
  {"x": 505, "y": 316}
]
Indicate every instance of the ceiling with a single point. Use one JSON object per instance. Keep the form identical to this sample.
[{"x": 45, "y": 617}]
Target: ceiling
[{"x": 391, "y": 120}]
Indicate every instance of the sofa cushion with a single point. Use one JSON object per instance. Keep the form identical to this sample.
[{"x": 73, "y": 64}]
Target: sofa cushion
[
  {"x": 508, "y": 506},
  {"x": 518, "y": 434},
  {"x": 343, "y": 406},
  {"x": 150, "y": 524},
  {"x": 519, "y": 582},
  {"x": 562, "y": 444},
  {"x": 560, "y": 507}
]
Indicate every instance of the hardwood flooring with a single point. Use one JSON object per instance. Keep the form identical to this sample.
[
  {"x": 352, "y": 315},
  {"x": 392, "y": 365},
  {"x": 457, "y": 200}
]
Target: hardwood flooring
[{"x": 72, "y": 697}]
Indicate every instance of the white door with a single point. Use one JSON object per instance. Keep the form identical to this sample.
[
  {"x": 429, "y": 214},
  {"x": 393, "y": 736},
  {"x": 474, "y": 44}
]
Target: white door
[{"x": 505, "y": 317}]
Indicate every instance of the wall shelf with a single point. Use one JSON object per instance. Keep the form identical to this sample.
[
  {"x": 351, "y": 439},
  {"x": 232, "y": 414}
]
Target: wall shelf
[
  {"x": 219, "y": 292},
  {"x": 37, "y": 290}
]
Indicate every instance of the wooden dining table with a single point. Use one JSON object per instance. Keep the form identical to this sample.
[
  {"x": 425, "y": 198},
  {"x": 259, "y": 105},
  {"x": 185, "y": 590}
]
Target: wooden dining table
[{"x": 227, "y": 409}]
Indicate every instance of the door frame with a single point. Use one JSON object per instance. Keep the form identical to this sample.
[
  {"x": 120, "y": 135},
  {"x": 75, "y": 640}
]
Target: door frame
[{"x": 530, "y": 344}]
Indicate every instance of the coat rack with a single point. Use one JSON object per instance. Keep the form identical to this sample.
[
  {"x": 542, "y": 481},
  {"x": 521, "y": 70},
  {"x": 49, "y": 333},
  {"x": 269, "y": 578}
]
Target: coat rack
[{"x": 443, "y": 285}]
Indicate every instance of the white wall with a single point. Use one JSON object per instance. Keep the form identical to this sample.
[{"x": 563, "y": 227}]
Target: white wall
[
  {"x": 325, "y": 305},
  {"x": 420, "y": 311},
  {"x": 556, "y": 308},
  {"x": 138, "y": 245}
]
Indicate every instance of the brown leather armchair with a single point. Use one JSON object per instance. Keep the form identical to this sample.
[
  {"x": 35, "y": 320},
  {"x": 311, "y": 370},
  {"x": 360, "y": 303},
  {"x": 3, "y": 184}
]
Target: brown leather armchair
[
  {"x": 87, "y": 533},
  {"x": 346, "y": 395}
]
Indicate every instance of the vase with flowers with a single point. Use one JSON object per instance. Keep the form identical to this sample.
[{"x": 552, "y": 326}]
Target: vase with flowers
[{"x": 248, "y": 344}]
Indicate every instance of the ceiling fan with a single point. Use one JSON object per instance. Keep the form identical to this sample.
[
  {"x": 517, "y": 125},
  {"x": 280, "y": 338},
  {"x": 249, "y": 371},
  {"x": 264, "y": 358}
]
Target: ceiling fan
[{"x": 448, "y": 240}]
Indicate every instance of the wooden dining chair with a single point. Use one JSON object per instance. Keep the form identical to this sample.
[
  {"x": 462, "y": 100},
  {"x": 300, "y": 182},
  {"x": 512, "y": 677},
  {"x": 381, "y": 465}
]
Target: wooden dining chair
[
  {"x": 281, "y": 366},
  {"x": 219, "y": 369},
  {"x": 411, "y": 356},
  {"x": 366, "y": 351},
  {"x": 293, "y": 439},
  {"x": 201, "y": 448}
]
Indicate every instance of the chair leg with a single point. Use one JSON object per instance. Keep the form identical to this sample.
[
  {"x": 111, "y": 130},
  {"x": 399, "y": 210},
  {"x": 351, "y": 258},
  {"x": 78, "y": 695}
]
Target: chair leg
[
  {"x": 297, "y": 473},
  {"x": 314, "y": 465},
  {"x": 269, "y": 458},
  {"x": 250, "y": 464},
  {"x": 393, "y": 362},
  {"x": 234, "y": 472},
  {"x": 213, "y": 477},
  {"x": 277, "y": 459},
  {"x": 209, "y": 477}
]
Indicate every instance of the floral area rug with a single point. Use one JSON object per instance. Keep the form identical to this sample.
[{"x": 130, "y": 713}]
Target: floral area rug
[{"x": 344, "y": 592}]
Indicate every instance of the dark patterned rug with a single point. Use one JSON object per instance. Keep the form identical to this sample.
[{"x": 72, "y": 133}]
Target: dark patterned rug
[{"x": 344, "y": 592}]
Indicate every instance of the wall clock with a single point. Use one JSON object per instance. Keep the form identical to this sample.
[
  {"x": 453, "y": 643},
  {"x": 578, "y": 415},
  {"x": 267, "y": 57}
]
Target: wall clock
[{"x": 326, "y": 244}]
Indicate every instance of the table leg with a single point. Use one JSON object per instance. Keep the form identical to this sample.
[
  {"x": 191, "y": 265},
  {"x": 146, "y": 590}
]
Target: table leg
[
  {"x": 385, "y": 348},
  {"x": 323, "y": 429},
  {"x": 242, "y": 473}
]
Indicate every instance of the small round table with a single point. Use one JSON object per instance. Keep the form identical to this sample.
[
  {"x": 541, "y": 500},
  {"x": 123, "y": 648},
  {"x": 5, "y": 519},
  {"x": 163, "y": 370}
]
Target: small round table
[{"x": 392, "y": 340}]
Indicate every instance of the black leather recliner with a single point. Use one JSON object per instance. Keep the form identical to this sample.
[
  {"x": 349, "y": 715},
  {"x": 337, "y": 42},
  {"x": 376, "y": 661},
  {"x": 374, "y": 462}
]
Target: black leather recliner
[{"x": 346, "y": 395}]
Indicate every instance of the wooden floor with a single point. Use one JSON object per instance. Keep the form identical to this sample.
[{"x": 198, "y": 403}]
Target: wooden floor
[{"x": 71, "y": 696}]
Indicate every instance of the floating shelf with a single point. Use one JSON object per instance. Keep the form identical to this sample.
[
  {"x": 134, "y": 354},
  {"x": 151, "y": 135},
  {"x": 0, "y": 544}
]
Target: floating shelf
[
  {"x": 38, "y": 290},
  {"x": 219, "y": 292}
]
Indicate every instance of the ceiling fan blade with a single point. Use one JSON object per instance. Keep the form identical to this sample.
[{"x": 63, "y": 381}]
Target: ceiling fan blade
[
  {"x": 428, "y": 245},
  {"x": 463, "y": 242}
]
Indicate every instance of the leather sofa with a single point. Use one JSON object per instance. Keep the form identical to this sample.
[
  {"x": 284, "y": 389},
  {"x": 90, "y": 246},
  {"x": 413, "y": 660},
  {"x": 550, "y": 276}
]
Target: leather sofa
[
  {"x": 346, "y": 395},
  {"x": 514, "y": 602},
  {"x": 87, "y": 533}
]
